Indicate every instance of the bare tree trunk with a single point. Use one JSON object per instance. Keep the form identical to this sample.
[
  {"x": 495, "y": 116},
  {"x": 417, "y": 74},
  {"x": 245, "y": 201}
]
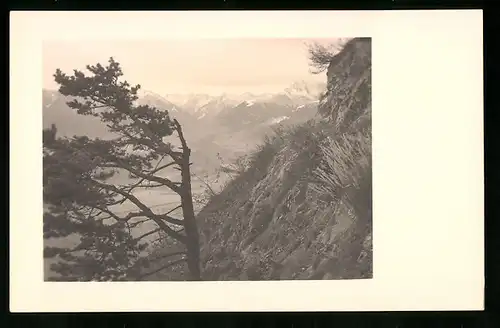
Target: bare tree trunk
[{"x": 190, "y": 226}]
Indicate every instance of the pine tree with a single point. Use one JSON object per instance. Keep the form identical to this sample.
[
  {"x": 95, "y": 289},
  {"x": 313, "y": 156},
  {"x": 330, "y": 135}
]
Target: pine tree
[
  {"x": 83, "y": 199},
  {"x": 321, "y": 56}
]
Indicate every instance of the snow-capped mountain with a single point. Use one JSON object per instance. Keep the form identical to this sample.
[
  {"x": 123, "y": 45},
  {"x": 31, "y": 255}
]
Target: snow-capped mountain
[
  {"x": 214, "y": 106},
  {"x": 189, "y": 102},
  {"x": 153, "y": 99},
  {"x": 226, "y": 124},
  {"x": 304, "y": 89},
  {"x": 204, "y": 106}
]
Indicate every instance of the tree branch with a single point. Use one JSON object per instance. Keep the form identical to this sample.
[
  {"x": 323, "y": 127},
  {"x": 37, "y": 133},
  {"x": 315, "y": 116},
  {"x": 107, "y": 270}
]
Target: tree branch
[
  {"x": 172, "y": 220},
  {"x": 167, "y": 255},
  {"x": 135, "y": 224},
  {"x": 167, "y": 182},
  {"x": 111, "y": 214},
  {"x": 175, "y": 208},
  {"x": 146, "y": 210},
  {"x": 161, "y": 268},
  {"x": 162, "y": 167},
  {"x": 153, "y": 142},
  {"x": 135, "y": 186},
  {"x": 206, "y": 184},
  {"x": 146, "y": 234}
]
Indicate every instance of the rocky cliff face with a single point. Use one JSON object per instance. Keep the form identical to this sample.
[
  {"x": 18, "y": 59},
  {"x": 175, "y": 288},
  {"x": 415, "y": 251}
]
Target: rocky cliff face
[
  {"x": 347, "y": 99},
  {"x": 302, "y": 210}
]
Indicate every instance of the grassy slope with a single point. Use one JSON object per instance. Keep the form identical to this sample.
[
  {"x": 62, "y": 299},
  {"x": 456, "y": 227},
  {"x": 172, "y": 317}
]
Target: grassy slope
[{"x": 282, "y": 219}]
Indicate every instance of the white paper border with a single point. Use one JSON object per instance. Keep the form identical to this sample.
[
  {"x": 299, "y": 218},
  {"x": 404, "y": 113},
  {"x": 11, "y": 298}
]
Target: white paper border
[{"x": 427, "y": 162}]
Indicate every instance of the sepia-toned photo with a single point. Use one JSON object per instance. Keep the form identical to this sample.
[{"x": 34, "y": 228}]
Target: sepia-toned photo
[
  {"x": 232, "y": 161},
  {"x": 207, "y": 159}
]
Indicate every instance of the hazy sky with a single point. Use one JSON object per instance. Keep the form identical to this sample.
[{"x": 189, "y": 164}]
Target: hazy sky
[{"x": 191, "y": 66}]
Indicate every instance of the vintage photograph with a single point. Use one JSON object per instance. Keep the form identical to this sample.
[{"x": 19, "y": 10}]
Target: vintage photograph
[{"x": 207, "y": 159}]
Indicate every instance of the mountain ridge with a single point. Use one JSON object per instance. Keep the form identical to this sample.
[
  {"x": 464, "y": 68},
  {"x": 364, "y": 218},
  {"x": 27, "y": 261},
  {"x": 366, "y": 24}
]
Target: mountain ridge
[{"x": 208, "y": 107}]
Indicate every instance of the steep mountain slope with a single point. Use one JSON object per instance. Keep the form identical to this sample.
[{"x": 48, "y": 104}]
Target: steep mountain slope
[{"x": 302, "y": 210}]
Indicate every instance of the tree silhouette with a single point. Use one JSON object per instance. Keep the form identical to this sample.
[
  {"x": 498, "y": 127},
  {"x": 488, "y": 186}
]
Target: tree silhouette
[
  {"x": 321, "y": 56},
  {"x": 83, "y": 190}
]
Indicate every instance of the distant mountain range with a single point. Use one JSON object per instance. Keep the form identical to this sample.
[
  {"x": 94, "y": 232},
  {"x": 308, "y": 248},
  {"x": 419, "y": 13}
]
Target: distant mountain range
[
  {"x": 225, "y": 125},
  {"x": 204, "y": 106}
]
